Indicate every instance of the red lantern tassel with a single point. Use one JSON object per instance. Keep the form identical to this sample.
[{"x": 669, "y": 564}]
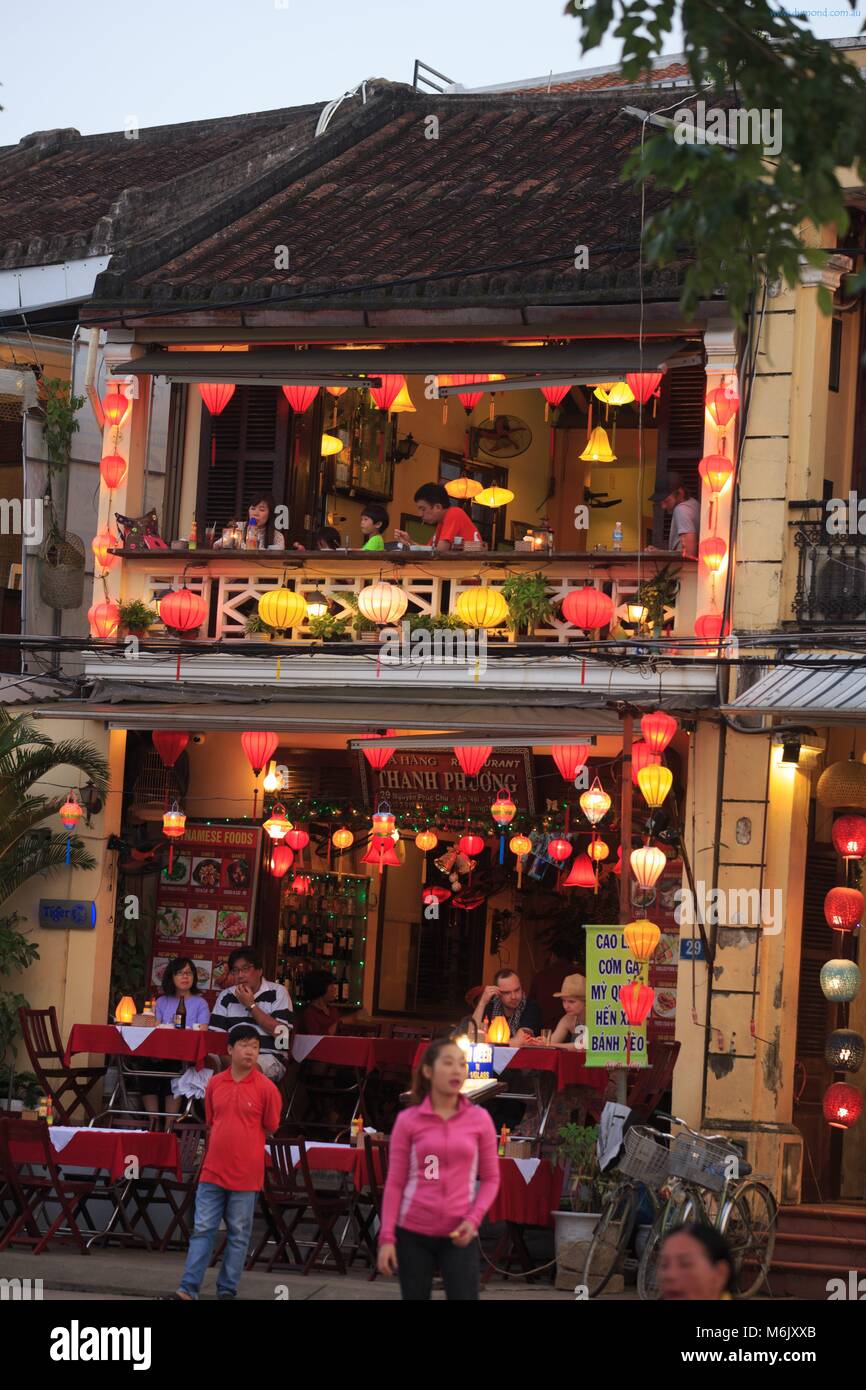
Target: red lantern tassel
[{"x": 177, "y": 672}]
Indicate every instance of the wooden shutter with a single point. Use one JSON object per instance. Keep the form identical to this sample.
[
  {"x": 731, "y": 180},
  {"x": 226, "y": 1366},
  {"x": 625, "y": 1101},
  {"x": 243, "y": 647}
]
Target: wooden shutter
[
  {"x": 681, "y": 437},
  {"x": 815, "y": 1019},
  {"x": 251, "y": 439}
]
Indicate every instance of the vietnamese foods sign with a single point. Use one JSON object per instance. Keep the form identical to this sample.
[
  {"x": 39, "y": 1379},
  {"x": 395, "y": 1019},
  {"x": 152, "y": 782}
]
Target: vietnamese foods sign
[{"x": 610, "y": 1041}]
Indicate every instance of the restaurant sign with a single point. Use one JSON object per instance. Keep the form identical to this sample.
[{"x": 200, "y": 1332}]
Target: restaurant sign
[
  {"x": 67, "y": 913},
  {"x": 610, "y": 1041},
  {"x": 419, "y": 779}
]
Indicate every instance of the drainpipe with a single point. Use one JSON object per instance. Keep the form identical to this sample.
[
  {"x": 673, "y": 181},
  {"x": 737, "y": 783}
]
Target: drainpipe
[{"x": 90, "y": 378}]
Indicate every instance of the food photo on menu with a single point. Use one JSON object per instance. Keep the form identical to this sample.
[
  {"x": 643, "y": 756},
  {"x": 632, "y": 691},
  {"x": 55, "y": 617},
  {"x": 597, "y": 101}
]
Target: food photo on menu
[
  {"x": 201, "y": 923},
  {"x": 170, "y": 922},
  {"x": 178, "y": 875},
  {"x": 203, "y": 973},
  {"x": 231, "y": 925},
  {"x": 206, "y": 874},
  {"x": 223, "y": 977},
  {"x": 237, "y": 874}
]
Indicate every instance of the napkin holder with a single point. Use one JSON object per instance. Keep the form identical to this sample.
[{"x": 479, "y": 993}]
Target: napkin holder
[
  {"x": 519, "y": 1148},
  {"x": 144, "y": 1021}
]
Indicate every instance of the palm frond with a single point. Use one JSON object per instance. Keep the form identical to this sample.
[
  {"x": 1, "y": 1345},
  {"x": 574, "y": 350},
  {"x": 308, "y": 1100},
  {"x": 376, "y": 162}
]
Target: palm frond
[{"x": 39, "y": 858}]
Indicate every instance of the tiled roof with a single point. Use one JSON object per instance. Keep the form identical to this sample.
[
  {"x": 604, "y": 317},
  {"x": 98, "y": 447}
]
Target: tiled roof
[
  {"x": 603, "y": 81},
  {"x": 491, "y": 209}
]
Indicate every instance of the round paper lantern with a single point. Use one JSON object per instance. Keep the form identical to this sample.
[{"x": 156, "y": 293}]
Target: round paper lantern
[
  {"x": 382, "y": 603},
  {"x": 840, "y": 980},
  {"x": 642, "y": 756},
  {"x": 112, "y": 469},
  {"x": 494, "y": 497},
  {"x": 182, "y": 610},
  {"x": 499, "y": 1031},
  {"x": 282, "y": 609},
  {"x": 503, "y": 809},
  {"x": 426, "y": 840},
  {"x": 716, "y": 471},
  {"x": 849, "y": 836},
  {"x": 842, "y": 786},
  {"x": 104, "y": 619},
  {"x": 641, "y": 938},
  {"x": 378, "y": 757},
  {"x": 844, "y": 1050},
  {"x": 342, "y": 839},
  {"x": 842, "y": 1105},
  {"x": 114, "y": 407},
  {"x": 595, "y": 803},
  {"x": 71, "y": 811},
  {"x": 587, "y": 608},
  {"x": 463, "y": 489},
  {"x": 570, "y": 758},
  {"x": 282, "y": 859},
  {"x": 101, "y": 544},
  {"x": 216, "y": 395},
  {"x": 648, "y": 864},
  {"x": 300, "y": 398},
  {"x": 297, "y": 839},
  {"x": 173, "y": 822},
  {"x": 472, "y": 760},
  {"x": 559, "y": 850},
  {"x": 722, "y": 405},
  {"x": 277, "y": 825},
  {"x": 301, "y": 884},
  {"x": 708, "y": 626},
  {"x": 259, "y": 747},
  {"x": 482, "y": 606},
  {"x": 386, "y": 394},
  {"x": 520, "y": 845},
  {"x": 598, "y": 851},
  {"x": 581, "y": 874},
  {"x": 636, "y": 1001},
  {"x": 843, "y": 908},
  {"x": 655, "y": 783},
  {"x": 643, "y": 384},
  {"x": 713, "y": 552},
  {"x": 658, "y": 729},
  {"x": 470, "y": 845},
  {"x": 169, "y": 745}
]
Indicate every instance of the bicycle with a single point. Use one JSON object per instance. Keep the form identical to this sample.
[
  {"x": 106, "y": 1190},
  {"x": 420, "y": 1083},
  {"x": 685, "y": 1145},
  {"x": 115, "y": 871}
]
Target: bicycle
[
  {"x": 642, "y": 1170},
  {"x": 702, "y": 1189}
]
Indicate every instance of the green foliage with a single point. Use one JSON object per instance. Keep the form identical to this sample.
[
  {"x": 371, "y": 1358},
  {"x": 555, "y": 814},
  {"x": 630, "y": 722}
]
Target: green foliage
[
  {"x": 16, "y": 954},
  {"x": 528, "y": 599},
  {"x": 137, "y": 616},
  {"x": 129, "y": 955},
  {"x": 576, "y": 1152},
  {"x": 23, "y": 1083},
  {"x": 60, "y": 423},
  {"x": 659, "y": 593},
  {"x": 435, "y": 622},
  {"x": 738, "y": 214},
  {"x": 254, "y": 624},
  {"x": 328, "y": 627}
]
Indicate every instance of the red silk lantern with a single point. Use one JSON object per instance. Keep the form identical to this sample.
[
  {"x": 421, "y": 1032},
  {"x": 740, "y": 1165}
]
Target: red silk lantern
[
  {"x": 581, "y": 873},
  {"x": 112, "y": 469},
  {"x": 259, "y": 748},
  {"x": 470, "y": 845},
  {"x": 216, "y": 396},
  {"x": 842, "y": 1105},
  {"x": 849, "y": 836},
  {"x": 102, "y": 542},
  {"x": 297, "y": 840},
  {"x": 282, "y": 859},
  {"x": 114, "y": 407},
  {"x": 708, "y": 626},
  {"x": 378, "y": 757},
  {"x": 713, "y": 553},
  {"x": 843, "y": 908},
  {"x": 559, "y": 850},
  {"x": 588, "y": 608},
  {"x": 642, "y": 756},
  {"x": 636, "y": 1000},
  {"x": 300, "y": 398},
  {"x": 469, "y": 399},
  {"x": 715, "y": 469},
  {"x": 385, "y": 395},
  {"x": 658, "y": 729},
  {"x": 722, "y": 405},
  {"x": 472, "y": 759},
  {"x": 435, "y": 894},
  {"x": 643, "y": 385},
  {"x": 554, "y": 396},
  {"x": 301, "y": 884},
  {"x": 169, "y": 745},
  {"x": 182, "y": 611},
  {"x": 570, "y": 758},
  {"x": 104, "y": 619}
]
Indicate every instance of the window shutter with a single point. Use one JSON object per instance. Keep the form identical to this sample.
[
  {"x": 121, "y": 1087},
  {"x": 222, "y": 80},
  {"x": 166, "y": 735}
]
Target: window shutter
[
  {"x": 681, "y": 437},
  {"x": 244, "y": 454}
]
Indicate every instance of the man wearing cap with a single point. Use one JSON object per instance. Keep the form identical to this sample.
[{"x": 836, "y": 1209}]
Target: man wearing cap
[{"x": 673, "y": 494}]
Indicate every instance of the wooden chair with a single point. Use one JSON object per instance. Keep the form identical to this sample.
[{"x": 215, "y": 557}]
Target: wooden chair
[
  {"x": 178, "y": 1195},
  {"x": 359, "y": 1030},
  {"x": 31, "y": 1192},
  {"x": 376, "y": 1153},
  {"x": 410, "y": 1034},
  {"x": 45, "y": 1050},
  {"x": 283, "y": 1203},
  {"x": 647, "y": 1089}
]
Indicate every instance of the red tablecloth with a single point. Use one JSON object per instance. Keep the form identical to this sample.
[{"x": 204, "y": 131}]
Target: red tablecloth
[
  {"x": 527, "y": 1203},
  {"x": 365, "y": 1053},
  {"x": 171, "y": 1044},
  {"x": 566, "y": 1063},
  {"x": 110, "y": 1149}
]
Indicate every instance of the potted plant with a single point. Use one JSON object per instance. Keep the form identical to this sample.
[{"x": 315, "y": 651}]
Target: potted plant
[
  {"x": 528, "y": 599},
  {"x": 435, "y": 622},
  {"x": 18, "y": 1090},
  {"x": 581, "y": 1202},
  {"x": 361, "y": 626},
  {"x": 136, "y": 618},
  {"x": 329, "y": 627},
  {"x": 257, "y": 630},
  {"x": 658, "y": 595}
]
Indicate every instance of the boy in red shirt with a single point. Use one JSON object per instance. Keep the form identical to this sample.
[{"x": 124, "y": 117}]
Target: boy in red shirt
[
  {"x": 242, "y": 1108},
  {"x": 435, "y": 509}
]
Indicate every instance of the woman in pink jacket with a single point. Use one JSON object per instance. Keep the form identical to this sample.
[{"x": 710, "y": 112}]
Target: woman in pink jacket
[{"x": 440, "y": 1148}]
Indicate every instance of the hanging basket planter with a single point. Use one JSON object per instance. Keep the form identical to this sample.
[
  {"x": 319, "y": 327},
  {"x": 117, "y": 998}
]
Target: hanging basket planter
[{"x": 61, "y": 571}]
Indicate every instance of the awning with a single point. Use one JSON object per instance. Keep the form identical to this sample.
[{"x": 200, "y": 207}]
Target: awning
[
  {"x": 586, "y": 361},
  {"x": 829, "y": 690}
]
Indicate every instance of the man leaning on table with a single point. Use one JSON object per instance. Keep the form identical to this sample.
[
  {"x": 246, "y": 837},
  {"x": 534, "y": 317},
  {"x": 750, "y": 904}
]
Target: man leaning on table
[
  {"x": 506, "y": 997},
  {"x": 262, "y": 1003}
]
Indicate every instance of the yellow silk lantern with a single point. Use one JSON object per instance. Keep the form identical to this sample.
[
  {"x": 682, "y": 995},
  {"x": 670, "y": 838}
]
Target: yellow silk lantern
[
  {"x": 595, "y": 803},
  {"x": 494, "y": 497},
  {"x": 331, "y": 444},
  {"x": 464, "y": 489},
  {"x": 598, "y": 448},
  {"x": 426, "y": 840},
  {"x": 482, "y": 606},
  {"x": 499, "y": 1031},
  {"x": 655, "y": 783},
  {"x": 273, "y": 780},
  {"x": 278, "y": 824},
  {"x": 342, "y": 839},
  {"x": 641, "y": 938},
  {"x": 282, "y": 609},
  {"x": 520, "y": 845},
  {"x": 598, "y": 850}
]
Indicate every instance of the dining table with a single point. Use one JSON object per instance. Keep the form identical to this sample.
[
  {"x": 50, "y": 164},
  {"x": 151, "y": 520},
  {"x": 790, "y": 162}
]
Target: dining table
[
  {"x": 162, "y": 1041},
  {"x": 363, "y": 1055}
]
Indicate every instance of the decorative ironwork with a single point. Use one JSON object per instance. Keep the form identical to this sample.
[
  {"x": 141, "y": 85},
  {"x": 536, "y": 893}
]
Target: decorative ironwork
[{"x": 831, "y": 575}]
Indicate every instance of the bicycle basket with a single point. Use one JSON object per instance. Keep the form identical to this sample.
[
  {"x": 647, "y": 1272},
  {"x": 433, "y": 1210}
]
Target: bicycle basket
[
  {"x": 645, "y": 1158},
  {"x": 705, "y": 1162}
]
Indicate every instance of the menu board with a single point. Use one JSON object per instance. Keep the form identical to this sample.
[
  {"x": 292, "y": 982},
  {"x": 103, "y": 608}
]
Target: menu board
[
  {"x": 205, "y": 905},
  {"x": 611, "y": 1041}
]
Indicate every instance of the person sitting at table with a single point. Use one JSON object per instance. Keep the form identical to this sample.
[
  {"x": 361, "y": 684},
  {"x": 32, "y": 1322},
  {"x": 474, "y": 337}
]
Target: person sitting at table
[
  {"x": 374, "y": 522},
  {"x": 506, "y": 998},
  {"x": 318, "y": 1015},
  {"x": 179, "y": 999},
  {"x": 326, "y": 538},
  {"x": 262, "y": 1003},
  {"x": 261, "y": 511},
  {"x": 573, "y": 996},
  {"x": 435, "y": 508}
]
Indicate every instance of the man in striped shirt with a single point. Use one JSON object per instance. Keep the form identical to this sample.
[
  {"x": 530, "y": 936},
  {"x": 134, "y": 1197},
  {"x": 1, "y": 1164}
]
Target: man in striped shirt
[{"x": 259, "y": 1002}]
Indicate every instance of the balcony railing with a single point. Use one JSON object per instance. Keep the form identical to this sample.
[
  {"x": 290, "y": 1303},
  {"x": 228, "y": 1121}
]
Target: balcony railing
[{"x": 831, "y": 575}]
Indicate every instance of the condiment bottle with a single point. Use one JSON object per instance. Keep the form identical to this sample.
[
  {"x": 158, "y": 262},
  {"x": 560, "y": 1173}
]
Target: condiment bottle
[{"x": 192, "y": 543}]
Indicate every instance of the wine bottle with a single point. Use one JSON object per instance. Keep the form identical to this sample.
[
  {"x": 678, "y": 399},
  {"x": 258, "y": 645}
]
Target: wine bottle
[
  {"x": 328, "y": 945},
  {"x": 293, "y": 938},
  {"x": 344, "y": 987}
]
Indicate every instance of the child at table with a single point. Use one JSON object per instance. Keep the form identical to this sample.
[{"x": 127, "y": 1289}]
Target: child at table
[{"x": 180, "y": 997}]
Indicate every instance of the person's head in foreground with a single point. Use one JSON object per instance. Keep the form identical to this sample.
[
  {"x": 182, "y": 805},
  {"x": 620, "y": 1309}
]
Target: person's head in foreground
[
  {"x": 247, "y": 967},
  {"x": 440, "y": 1073},
  {"x": 695, "y": 1265},
  {"x": 243, "y": 1045}
]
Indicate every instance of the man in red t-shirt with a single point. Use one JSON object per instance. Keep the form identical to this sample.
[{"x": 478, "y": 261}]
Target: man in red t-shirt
[
  {"x": 242, "y": 1107},
  {"x": 435, "y": 509}
]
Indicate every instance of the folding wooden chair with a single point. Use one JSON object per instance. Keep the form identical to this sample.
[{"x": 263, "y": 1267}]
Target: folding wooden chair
[
  {"x": 326, "y": 1208},
  {"x": 23, "y": 1145},
  {"x": 177, "y": 1195},
  {"x": 376, "y": 1154},
  {"x": 45, "y": 1050},
  {"x": 283, "y": 1203}
]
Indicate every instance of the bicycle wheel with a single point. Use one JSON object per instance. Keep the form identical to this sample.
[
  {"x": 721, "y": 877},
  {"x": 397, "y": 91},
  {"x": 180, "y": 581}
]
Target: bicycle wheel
[
  {"x": 672, "y": 1215},
  {"x": 749, "y": 1224},
  {"x": 610, "y": 1240}
]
